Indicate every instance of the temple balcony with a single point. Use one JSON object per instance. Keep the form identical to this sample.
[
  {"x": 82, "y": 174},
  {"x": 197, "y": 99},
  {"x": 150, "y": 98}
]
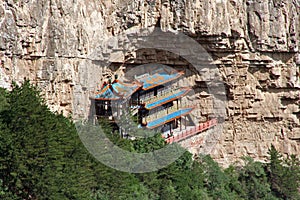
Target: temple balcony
[
  {"x": 165, "y": 97},
  {"x": 179, "y": 134},
  {"x": 165, "y": 116}
]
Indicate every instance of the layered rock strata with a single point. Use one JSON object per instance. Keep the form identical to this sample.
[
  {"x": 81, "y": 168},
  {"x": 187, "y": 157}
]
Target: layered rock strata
[{"x": 253, "y": 44}]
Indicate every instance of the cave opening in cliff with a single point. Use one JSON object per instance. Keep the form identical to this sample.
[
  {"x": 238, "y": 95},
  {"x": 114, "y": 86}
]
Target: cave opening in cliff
[{"x": 181, "y": 99}]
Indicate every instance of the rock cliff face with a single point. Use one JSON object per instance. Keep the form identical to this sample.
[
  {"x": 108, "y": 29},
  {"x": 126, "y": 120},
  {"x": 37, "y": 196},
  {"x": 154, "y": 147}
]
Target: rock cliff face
[{"x": 254, "y": 44}]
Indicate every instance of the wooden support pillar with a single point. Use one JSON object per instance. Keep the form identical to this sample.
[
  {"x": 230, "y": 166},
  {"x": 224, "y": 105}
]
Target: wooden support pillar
[
  {"x": 118, "y": 108},
  {"x": 180, "y": 124},
  {"x": 137, "y": 115}
]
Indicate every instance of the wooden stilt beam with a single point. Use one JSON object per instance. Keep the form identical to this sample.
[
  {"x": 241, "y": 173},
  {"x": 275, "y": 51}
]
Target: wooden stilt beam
[{"x": 180, "y": 124}]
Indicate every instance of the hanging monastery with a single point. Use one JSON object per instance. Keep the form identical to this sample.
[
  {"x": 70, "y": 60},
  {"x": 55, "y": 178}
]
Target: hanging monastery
[{"x": 155, "y": 100}]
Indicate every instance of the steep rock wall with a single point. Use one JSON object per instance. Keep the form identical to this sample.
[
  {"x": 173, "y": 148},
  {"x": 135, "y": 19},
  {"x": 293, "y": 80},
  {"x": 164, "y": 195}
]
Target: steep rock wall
[{"x": 255, "y": 45}]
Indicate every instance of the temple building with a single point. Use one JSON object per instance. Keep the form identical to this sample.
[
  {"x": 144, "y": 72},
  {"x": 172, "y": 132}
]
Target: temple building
[{"x": 155, "y": 99}]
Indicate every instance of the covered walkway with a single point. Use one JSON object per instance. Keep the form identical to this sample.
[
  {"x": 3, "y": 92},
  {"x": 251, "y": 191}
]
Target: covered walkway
[
  {"x": 160, "y": 100},
  {"x": 178, "y": 113},
  {"x": 184, "y": 134}
]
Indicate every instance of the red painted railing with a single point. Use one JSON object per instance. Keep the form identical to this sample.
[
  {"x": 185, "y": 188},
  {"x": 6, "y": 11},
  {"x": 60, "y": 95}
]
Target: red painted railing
[{"x": 192, "y": 131}]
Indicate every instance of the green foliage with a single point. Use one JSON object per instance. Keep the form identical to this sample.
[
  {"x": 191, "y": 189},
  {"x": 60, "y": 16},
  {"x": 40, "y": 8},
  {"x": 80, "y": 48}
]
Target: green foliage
[
  {"x": 284, "y": 175},
  {"x": 253, "y": 180},
  {"x": 42, "y": 157},
  {"x": 218, "y": 183},
  {"x": 148, "y": 144},
  {"x": 99, "y": 195},
  {"x": 3, "y": 99},
  {"x": 5, "y": 193}
]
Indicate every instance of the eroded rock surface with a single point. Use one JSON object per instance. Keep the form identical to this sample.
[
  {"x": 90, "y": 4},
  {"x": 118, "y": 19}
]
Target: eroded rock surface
[{"x": 254, "y": 44}]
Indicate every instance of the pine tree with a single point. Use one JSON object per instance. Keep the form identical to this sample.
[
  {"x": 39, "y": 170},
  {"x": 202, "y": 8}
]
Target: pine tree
[
  {"x": 284, "y": 175},
  {"x": 43, "y": 156},
  {"x": 291, "y": 177},
  {"x": 253, "y": 180}
]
